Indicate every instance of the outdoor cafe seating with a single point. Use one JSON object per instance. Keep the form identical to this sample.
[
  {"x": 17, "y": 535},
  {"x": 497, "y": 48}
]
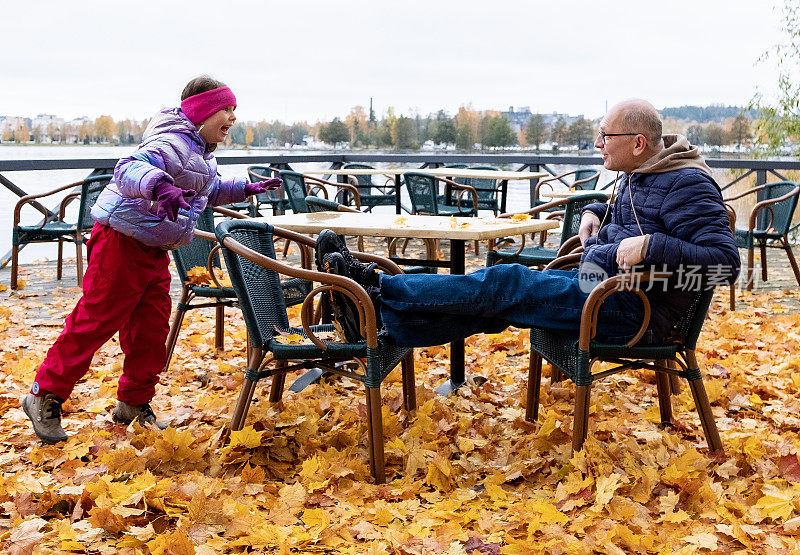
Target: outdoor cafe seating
[
  {"x": 568, "y": 209},
  {"x": 203, "y": 252},
  {"x": 370, "y": 193},
  {"x": 768, "y": 225},
  {"x": 576, "y": 356},
  {"x": 256, "y": 277},
  {"x": 581, "y": 179},
  {"x": 54, "y": 227}
]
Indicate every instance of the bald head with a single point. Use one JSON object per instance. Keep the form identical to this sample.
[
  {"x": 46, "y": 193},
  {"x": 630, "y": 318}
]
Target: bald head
[
  {"x": 630, "y": 134},
  {"x": 639, "y": 116}
]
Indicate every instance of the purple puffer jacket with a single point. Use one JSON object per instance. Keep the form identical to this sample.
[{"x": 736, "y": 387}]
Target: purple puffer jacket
[{"x": 171, "y": 150}]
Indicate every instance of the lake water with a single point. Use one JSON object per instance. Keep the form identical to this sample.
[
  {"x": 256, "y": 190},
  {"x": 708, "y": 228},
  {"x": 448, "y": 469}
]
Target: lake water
[{"x": 45, "y": 180}]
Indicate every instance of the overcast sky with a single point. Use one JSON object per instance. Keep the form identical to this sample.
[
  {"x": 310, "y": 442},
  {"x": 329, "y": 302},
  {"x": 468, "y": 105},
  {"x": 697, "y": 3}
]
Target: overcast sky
[{"x": 313, "y": 59}]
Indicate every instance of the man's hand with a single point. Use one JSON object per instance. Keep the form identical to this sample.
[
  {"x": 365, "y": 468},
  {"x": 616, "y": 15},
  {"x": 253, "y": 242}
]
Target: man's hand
[
  {"x": 590, "y": 225},
  {"x": 631, "y": 251}
]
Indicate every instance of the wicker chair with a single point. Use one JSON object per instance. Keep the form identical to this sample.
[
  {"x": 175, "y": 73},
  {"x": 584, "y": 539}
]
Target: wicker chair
[
  {"x": 423, "y": 189},
  {"x": 54, "y": 228},
  {"x": 371, "y": 194},
  {"x": 488, "y": 190},
  {"x": 203, "y": 251},
  {"x": 273, "y": 198},
  {"x": 298, "y": 186},
  {"x": 575, "y": 356},
  {"x": 255, "y": 273},
  {"x": 582, "y": 179},
  {"x": 538, "y": 255},
  {"x": 768, "y": 225}
]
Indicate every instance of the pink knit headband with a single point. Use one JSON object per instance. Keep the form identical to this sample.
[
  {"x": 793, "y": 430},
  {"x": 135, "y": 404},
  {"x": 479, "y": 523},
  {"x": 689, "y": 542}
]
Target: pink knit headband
[{"x": 198, "y": 107}]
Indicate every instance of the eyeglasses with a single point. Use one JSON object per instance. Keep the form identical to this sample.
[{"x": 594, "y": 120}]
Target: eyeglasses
[{"x": 602, "y": 136}]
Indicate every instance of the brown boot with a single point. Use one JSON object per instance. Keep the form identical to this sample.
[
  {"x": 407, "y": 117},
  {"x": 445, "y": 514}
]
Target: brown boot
[
  {"x": 45, "y": 414},
  {"x": 125, "y": 414}
]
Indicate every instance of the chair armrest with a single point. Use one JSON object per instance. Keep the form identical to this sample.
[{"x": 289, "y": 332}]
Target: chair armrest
[
  {"x": 462, "y": 188},
  {"x": 62, "y": 208},
  {"x": 210, "y": 237},
  {"x": 564, "y": 262},
  {"x": 31, "y": 199},
  {"x": 578, "y": 184},
  {"x": 229, "y": 213},
  {"x": 346, "y": 186},
  {"x": 256, "y": 177},
  {"x": 570, "y": 246},
  {"x": 548, "y": 182},
  {"x": 744, "y": 194},
  {"x": 765, "y": 204},
  {"x": 630, "y": 281},
  {"x": 541, "y": 208}
]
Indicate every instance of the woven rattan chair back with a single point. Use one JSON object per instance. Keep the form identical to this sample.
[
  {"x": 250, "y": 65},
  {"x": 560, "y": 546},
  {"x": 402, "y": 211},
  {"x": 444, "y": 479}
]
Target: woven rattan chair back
[
  {"x": 423, "y": 192},
  {"x": 294, "y": 185}
]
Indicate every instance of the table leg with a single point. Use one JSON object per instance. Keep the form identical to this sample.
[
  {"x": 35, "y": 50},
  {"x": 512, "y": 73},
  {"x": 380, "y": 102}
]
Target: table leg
[
  {"x": 457, "y": 377},
  {"x": 397, "y": 193},
  {"x": 503, "y": 195}
]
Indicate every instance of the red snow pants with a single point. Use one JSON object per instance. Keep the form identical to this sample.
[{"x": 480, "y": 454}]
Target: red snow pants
[{"x": 125, "y": 289}]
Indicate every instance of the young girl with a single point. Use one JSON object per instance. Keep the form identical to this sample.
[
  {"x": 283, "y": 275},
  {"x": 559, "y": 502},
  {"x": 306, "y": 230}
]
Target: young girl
[{"x": 150, "y": 207}]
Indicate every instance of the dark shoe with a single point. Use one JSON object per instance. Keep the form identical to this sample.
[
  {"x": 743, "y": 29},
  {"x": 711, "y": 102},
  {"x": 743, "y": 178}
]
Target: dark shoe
[
  {"x": 125, "y": 414},
  {"x": 363, "y": 274},
  {"x": 345, "y": 313},
  {"x": 45, "y": 414}
]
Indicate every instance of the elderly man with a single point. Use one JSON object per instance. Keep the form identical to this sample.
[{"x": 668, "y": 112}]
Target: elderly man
[{"x": 668, "y": 214}]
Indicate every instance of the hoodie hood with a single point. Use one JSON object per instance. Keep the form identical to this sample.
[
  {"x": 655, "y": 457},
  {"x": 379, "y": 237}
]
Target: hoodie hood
[
  {"x": 678, "y": 154},
  {"x": 173, "y": 120}
]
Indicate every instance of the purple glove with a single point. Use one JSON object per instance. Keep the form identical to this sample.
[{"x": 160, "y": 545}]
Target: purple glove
[
  {"x": 259, "y": 187},
  {"x": 170, "y": 199}
]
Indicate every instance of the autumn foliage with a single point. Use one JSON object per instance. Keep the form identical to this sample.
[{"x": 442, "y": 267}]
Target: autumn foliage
[{"x": 466, "y": 473}]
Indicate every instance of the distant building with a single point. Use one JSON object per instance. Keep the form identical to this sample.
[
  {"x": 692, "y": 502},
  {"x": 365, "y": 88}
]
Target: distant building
[
  {"x": 13, "y": 122},
  {"x": 551, "y": 119},
  {"x": 519, "y": 118},
  {"x": 46, "y": 120}
]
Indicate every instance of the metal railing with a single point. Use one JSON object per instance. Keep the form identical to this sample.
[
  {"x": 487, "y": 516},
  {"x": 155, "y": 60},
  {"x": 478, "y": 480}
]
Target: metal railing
[{"x": 536, "y": 162}]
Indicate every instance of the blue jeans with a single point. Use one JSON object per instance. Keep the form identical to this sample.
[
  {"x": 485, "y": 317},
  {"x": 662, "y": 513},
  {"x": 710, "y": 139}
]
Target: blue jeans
[{"x": 420, "y": 310}]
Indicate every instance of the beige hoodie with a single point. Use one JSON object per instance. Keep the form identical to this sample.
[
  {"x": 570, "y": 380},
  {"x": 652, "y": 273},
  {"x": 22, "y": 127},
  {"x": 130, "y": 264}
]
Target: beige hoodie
[{"x": 678, "y": 154}]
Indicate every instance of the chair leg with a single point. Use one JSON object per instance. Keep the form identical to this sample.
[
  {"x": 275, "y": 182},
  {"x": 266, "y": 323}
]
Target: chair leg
[
  {"x": 477, "y": 248},
  {"x": 750, "y": 258},
  {"x": 246, "y": 393},
  {"x": 175, "y": 328},
  {"x": 556, "y": 375},
  {"x": 664, "y": 388},
  {"x": 674, "y": 382},
  {"x": 409, "y": 385},
  {"x": 733, "y": 296},
  {"x": 534, "y": 387},
  {"x": 60, "y": 263},
  {"x": 788, "y": 248},
  {"x": 79, "y": 260},
  {"x": 377, "y": 462},
  {"x": 580, "y": 423},
  {"x": 278, "y": 381},
  {"x": 704, "y": 407},
  {"x": 763, "y": 247},
  {"x": 219, "y": 329},
  {"x": 242, "y": 405},
  {"x": 14, "y": 265}
]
